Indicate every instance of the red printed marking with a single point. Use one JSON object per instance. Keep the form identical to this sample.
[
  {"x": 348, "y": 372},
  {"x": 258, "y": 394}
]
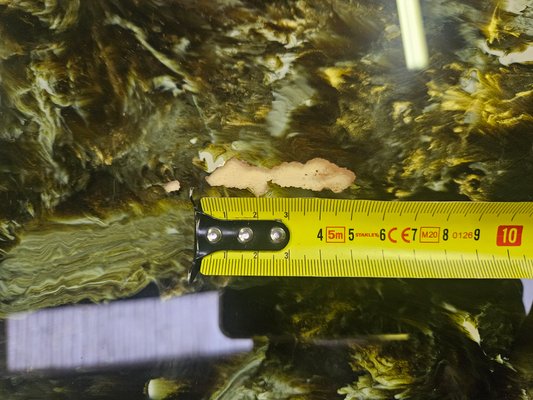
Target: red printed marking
[
  {"x": 429, "y": 234},
  {"x": 405, "y": 235},
  {"x": 335, "y": 234},
  {"x": 389, "y": 235},
  {"x": 509, "y": 235}
]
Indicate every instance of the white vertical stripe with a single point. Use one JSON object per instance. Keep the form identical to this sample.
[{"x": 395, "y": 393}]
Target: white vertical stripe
[
  {"x": 527, "y": 295},
  {"x": 413, "y": 36}
]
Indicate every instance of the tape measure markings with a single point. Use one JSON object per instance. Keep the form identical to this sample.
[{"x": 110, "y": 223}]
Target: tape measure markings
[
  {"x": 420, "y": 225},
  {"x": 389, "y": 268}
]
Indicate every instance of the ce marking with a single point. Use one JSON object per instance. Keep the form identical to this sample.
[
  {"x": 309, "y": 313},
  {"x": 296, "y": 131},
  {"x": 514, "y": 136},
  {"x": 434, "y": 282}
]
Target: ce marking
[
  {"x": 405, "y": 234},
  {"x": 389, "y": 235}
]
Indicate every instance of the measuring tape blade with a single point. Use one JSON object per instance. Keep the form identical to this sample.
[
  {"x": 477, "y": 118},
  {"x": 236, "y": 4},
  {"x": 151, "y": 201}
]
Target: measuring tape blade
[{"x": 365, "y": 238}]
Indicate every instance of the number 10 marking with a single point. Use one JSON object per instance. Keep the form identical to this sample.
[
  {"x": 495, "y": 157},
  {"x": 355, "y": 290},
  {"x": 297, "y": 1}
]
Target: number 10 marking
[{"x": 509, "y": 235}]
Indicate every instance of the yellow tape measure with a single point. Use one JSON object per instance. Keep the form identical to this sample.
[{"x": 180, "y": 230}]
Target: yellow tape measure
[{"x": 361, "y": 238}]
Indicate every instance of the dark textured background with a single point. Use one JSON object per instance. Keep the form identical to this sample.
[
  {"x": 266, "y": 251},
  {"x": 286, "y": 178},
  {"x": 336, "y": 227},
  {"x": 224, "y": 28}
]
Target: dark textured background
[{"x": 103, "y": 102}]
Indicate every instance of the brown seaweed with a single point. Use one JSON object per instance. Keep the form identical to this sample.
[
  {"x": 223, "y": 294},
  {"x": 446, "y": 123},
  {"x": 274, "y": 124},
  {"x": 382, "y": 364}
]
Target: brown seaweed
[{"x": 102, "y": 103}]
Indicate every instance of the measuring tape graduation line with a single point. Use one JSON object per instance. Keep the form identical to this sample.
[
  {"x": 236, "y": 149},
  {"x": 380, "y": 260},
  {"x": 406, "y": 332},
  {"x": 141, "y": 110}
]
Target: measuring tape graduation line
[{"x": 364, "y": 238}]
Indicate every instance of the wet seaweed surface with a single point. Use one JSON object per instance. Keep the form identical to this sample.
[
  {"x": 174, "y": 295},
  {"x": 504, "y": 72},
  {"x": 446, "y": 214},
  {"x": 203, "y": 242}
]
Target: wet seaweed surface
[{"x": 103, "y": 103}]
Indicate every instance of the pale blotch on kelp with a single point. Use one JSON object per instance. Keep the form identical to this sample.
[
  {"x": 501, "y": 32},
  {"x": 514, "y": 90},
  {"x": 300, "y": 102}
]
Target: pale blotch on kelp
[{"x": 316, "y": 175}]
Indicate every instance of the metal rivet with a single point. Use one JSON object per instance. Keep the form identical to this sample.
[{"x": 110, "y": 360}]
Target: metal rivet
[
  {"x": 214, "y": 234},
  {"x": 277, "y": 234},
  {"x": 245, "y": 235}
]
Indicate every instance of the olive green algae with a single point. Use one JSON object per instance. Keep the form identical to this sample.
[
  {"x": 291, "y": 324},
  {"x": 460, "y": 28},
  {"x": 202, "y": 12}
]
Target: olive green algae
[
  {"x": 102, "y": 103},
  {"x": 68, "y": 259}
]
